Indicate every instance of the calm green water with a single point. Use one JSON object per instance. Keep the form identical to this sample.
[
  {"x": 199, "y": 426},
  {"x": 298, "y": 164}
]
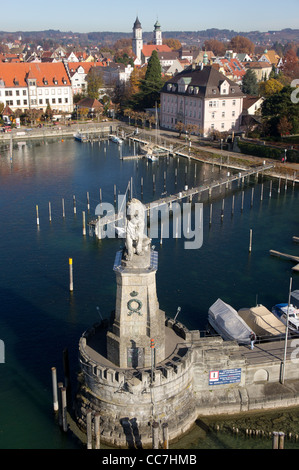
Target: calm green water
[{"x": 39, "y": 317}]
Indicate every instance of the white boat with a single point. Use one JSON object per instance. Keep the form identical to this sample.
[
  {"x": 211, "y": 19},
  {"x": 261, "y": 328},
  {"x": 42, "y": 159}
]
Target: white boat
[
  {"x": 281, "y": 311},
  {"x": 80, "y": 137},
  {"x": 295, "y": 298},
  {"x": 225, "y": 320},
  {"x": 116, "y": 139},
  {"x": 152, "y": 157}
]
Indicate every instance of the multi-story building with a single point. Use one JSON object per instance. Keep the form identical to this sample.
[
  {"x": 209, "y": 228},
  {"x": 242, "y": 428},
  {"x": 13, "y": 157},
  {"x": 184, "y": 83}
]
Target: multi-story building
[
  {"x": 35, "y": 85},
  {"x": 202, "y": 97}
]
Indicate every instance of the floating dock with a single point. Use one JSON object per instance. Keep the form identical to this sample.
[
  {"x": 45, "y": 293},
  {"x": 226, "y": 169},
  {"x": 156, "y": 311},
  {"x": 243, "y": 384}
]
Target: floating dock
[{"x": 287, "y": 256}]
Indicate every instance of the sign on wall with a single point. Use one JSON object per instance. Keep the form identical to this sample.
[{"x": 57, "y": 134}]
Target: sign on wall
[{"x": 225, "y": 376}]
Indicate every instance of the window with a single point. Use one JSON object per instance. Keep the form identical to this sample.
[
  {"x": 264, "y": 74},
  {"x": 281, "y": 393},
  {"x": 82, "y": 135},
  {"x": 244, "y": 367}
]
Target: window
[
  {"x": 234, "y": 102},
  {"x": 17, "y": 92},
  {"x": 233, "y": 113},
  {"x": 223, "y": 114},
  {"x": 18, "y": 102},
  {"x": 25, "y": 103},
  {"x": 8, "y": 93},
  {"x": 53, "y": 101},
  {"x": 9, "y": 103},
  {"x": 24, "y": 93},
  {"x": 213, "y": 115},
  {"x": 223, "y": 103},
  {"x": 222, "y": 125},
  {"x": 59, "y": 100},
  {"x": 40, "y": 101},
  {"x": 66, "y": 100}
]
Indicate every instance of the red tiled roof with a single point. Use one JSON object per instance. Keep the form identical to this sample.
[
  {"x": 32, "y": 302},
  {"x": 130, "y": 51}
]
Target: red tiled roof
[
  {"x": 149, "y": 48},
  {"x": 15, "y": 74}
]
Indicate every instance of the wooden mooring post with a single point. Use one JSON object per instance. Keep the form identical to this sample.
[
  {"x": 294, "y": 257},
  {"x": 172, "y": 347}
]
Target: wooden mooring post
[
  {"x": 165, "y": 436},
  {"x": 37, "y": 216},
  {"x": 63, "y": 210},
  {"x": 97, "y": 430},
  {"x": 155, "y": 435},
  {"x": 84, "y": 223},
  {"x": 50, "y": 212},
  {"x": 55, "y": 389},
  {"x": 250, "y": 240},
  {"x": 88, "y": 429},
  {"x": 71, "y": 274}
]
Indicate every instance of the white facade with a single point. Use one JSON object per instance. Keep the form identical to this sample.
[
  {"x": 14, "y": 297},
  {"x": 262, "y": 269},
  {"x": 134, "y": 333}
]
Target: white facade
[
  {"x": 78, "y": 80},
  {"x": 34, "y": 97},
  {"x": 183, "y": 102}
]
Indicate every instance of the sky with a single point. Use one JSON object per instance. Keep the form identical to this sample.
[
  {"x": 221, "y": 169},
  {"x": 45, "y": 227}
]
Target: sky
[{"x": 173, "y": 15}]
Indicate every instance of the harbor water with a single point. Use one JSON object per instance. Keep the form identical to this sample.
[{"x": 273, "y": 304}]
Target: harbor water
[{"x": 40, "y": 317}]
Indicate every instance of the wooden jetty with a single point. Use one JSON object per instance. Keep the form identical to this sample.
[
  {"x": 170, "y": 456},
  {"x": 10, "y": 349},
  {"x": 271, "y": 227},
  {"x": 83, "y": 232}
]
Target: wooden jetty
[
  {"x": 287, "y": 256},
  {"x": 187, "y": 193},
  {"x": 296, "y": 239}
]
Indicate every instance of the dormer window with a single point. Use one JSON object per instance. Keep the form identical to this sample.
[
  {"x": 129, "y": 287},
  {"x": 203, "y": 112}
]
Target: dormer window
[
  {"x": 55, "y": 81},
  {"x": 45, "y": 81}
]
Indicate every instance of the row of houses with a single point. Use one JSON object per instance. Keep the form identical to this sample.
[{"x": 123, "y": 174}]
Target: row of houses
[{"x": 30, "y": 85}]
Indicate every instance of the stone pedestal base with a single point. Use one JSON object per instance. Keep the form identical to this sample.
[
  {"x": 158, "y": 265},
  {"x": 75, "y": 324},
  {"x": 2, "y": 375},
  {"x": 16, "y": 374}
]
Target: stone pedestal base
[{"x": 129, "y": 400}]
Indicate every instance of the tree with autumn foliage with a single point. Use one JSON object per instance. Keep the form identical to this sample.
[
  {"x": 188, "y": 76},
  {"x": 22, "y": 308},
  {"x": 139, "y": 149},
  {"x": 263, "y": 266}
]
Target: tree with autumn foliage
[
  {"x": 241, "y": 44},
  {"x": 290, "y": 66},
  {"x": 216, "y": 46},
  {"x": 173, "y": 43},
  {"x": 270, "y": 87}
]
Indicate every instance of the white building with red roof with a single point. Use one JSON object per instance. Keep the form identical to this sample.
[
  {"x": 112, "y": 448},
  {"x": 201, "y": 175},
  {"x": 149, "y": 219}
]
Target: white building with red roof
[{"x": 35, "y": 85}]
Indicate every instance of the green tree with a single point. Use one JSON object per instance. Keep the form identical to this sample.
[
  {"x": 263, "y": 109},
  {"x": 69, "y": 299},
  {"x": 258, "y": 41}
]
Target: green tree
[
  {"x": 249, "y": 84},
  {"x": 279, "y": 106},
  {"x": 94, "y": 82},
  {"x": 152, "y": 83}
]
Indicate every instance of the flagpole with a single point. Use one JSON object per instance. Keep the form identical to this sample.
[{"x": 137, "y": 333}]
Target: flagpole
[{"x": 286, "y": 335}]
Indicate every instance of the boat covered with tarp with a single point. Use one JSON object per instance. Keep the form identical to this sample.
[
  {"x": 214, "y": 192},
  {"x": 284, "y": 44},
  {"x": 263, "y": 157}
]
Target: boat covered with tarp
[
  {"x": 225, "y": 320},
  {"x": 295, "y": 298},
  {"x": 262, "y": 321}
]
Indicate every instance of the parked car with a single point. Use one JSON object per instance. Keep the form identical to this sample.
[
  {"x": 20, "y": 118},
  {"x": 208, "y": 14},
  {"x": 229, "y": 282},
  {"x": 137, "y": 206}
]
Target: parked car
[{"x": 6, "y": 129}]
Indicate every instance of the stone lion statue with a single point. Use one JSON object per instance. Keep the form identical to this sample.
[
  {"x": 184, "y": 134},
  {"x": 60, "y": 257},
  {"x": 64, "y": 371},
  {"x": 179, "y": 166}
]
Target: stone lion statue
[{"x": 136, "y": 240}]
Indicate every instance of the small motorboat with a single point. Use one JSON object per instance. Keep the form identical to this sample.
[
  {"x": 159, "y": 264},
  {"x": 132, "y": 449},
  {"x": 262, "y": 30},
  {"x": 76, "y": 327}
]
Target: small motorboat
[
  {"x": 225, "y": 320},
  {"x": 116, "y": 139},
  {"x": 281, "y": 312},
  {"x": 80, "y": 137}
]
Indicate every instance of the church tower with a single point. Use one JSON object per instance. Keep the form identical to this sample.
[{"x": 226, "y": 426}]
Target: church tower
[
  {"x": 137, "y": 42},
  {"x": 157, "y": 34}
]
